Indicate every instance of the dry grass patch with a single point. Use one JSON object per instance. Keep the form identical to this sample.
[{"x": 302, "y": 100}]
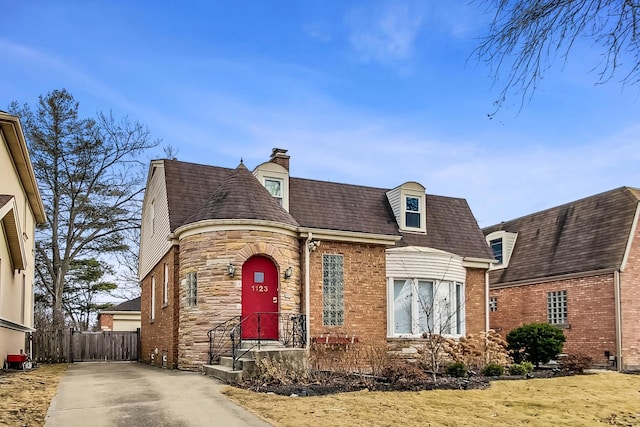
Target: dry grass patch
[
  {"x": 25, "y": 396},
  {"x": 607, "y": 398}
]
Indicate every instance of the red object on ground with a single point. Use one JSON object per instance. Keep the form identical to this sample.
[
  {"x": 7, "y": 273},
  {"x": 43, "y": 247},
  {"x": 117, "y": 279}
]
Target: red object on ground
[{"x": 16, "y": 358}]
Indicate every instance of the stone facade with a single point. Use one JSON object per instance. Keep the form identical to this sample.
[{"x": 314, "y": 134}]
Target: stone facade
[
  {"x": 218, "y": 295},
  {"x": 365, "y": 295},
  {"x": 629, "y": 297},
  {"x": 590, "y": 312},
  {"x": 159, "y": 336}
]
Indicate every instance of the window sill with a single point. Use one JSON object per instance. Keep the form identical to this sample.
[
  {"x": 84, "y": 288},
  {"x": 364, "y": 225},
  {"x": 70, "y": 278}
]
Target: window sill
[{"x": 562, "y": 325}]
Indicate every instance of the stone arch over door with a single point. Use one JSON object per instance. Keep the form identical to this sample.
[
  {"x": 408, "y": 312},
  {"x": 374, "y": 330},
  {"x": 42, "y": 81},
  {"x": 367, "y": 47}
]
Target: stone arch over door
[
  {"x": 260, "y": 290},
  {"x": 263, "y": 249}
]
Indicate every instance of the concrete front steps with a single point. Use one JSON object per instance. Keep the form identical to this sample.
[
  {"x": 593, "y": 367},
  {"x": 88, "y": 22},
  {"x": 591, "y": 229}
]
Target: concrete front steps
[{"x": 246, "y": 365}]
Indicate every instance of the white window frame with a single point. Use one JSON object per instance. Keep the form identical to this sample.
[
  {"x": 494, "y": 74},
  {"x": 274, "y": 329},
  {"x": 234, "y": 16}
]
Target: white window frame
[
  {"x": 443, "y": 292},
  {"x": 406, "y": 194},
  {"x": 279, "y": 198},
  {"x": 153, "y": 298},
  {"x": 165, "y": 289},
  {"x": 496, "y": 240}
]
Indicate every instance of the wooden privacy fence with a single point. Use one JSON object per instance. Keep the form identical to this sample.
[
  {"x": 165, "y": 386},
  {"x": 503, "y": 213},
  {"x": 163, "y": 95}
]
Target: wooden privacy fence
[{"x": 82, "y": 346}]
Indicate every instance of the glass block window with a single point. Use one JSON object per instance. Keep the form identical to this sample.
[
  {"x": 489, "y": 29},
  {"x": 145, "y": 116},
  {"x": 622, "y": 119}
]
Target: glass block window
[
  {"x": 412, "y": 212},
  {"x": 493, "y": 304},
  {"x": 192, "y": 289},
  {"x": 496, "y": 248},
  {"x": 557, "y": 307},
  {"x": 274, "y": 187},
  {"x": 332, "y": 290}
]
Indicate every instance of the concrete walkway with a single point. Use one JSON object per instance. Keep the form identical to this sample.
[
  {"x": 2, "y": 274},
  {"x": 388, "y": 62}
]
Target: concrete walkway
[{"x": 132, "y": 395}]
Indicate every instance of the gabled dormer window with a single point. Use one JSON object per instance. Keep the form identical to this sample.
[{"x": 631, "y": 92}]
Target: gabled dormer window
[{"x": 274, "y": 187}]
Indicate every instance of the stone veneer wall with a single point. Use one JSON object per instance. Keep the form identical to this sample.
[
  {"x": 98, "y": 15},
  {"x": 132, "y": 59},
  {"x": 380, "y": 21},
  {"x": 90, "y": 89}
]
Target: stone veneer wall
[
  {"x": 162, "y": 332},
  {"x": 365, "y": 300},
  {"x": 630, "y": 295},
  {"x": 590, "y": 312},
  {"x": 219, "y": 295}
]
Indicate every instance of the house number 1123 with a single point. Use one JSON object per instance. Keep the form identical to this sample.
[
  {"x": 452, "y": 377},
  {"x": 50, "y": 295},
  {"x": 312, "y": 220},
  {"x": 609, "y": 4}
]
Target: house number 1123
[{"x": 260, "y": 288}]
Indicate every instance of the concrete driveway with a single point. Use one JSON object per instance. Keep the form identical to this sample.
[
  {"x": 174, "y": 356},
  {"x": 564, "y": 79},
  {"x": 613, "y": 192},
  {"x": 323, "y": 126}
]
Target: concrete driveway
[{"x": 132, "y": 395}]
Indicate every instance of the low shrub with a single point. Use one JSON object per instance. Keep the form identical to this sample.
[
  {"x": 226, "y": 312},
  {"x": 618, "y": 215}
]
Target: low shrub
[
  {"x": 457, "y": 369},
  {"x": 521, "y": 368},
  {"x": 401, "y": 371},
  {"x": 535, "y": 342},
  {"x": 576, "y": 363},
  {"x": 493, "y": 370}
]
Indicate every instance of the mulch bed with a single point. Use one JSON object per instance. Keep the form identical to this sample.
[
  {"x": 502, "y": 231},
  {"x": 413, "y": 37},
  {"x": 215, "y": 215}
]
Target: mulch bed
[{"x": 325, "y": 383}]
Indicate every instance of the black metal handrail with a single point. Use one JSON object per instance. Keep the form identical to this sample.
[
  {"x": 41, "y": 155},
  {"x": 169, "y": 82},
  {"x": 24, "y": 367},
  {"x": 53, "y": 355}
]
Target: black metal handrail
[{"x": 226, "y": 338}]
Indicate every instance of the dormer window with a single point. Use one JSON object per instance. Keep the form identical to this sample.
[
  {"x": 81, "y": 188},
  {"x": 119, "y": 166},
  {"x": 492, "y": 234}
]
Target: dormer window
[
  {"x": 274, "y": 187},
  {"x": 412, "y": 212},
  {"x": 501, "y": 244},
  {"x": 496, "y": 248},
  {"x": 409, "y": 205}
]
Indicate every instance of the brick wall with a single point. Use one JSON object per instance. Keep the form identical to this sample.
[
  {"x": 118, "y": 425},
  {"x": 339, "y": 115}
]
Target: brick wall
[
  {"x": 474, "y": 302},
  {"x": 365, "y": 300},
  {"x": 629, "y": 297},
  {"x": 162, "y": 332},
  {"x": 219, "y": 295},
  {"x": 105, "y": 322},
  {"x": 590, "y": 312}
]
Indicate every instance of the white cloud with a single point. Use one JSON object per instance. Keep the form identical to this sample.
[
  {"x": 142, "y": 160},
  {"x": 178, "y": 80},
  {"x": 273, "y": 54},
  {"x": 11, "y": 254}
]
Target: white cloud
[{"x": 385, "y": 33}]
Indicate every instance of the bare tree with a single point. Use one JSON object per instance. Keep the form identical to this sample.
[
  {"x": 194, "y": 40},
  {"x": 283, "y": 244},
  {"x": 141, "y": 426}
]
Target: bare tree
[
  {"x": 526, "y": 36},
  {"x": 91, "y": 183}
]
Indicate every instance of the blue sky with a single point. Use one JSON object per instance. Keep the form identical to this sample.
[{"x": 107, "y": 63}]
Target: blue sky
[{"x": 363, "y": 92}]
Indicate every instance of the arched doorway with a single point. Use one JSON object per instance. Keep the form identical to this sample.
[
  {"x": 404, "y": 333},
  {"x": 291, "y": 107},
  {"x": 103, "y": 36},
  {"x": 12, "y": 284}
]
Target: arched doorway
[{"x": 259, "y": 299}]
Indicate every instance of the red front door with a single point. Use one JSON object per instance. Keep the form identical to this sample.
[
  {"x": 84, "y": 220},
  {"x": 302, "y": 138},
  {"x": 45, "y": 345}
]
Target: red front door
[{"x": 259, "y": 299}]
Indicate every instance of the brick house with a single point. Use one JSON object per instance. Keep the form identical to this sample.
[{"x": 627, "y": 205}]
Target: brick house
[
  {"x": 576, "y": 266},
  {"x": 220, "y": 243}
]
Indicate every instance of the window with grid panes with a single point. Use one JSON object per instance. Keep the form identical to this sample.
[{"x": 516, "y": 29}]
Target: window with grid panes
[
  {"x": 332, "y": 290},
  {"x": 493, "y": 304},
  {"x": 557, "y": 307},
  {"x": 192, "y": 289}
]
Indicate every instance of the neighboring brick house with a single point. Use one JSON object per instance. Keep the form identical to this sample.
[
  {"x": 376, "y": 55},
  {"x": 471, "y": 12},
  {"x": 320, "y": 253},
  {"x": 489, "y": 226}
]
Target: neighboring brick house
[
  {"x": 21, "y": 209},
  {"x": 576, "y": 266},
  {"x": 218, "y": 243},
  {"x": 121, "y": 317}
]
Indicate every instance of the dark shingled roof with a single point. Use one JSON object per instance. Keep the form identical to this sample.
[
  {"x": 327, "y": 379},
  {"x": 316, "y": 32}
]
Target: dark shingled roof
[
  {"x": 586, "y": 235},
  {"x": 189, "y": 185},
  {"x": 451, "y": 227},
  {"x": 131, "y": 305},
  {"x": 197, "y": 192},
  {"x": 241, "y": 196},
  {"x": 4, "y": 199},
  {"x": 345, "y": 207}
]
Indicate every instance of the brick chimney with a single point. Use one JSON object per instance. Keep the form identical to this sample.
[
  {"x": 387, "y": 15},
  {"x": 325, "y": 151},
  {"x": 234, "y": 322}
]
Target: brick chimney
[{"x": 279, "y": 156}]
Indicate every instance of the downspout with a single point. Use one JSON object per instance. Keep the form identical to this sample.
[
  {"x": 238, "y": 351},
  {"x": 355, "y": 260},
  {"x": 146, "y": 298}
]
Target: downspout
[
  {"x": 307, "y": 293},
  {"x": 618, "y": 309}
]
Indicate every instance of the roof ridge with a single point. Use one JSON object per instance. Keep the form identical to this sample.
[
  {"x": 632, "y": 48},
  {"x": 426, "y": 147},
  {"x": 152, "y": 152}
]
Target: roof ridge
[{"x": 563, "y": 205}]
